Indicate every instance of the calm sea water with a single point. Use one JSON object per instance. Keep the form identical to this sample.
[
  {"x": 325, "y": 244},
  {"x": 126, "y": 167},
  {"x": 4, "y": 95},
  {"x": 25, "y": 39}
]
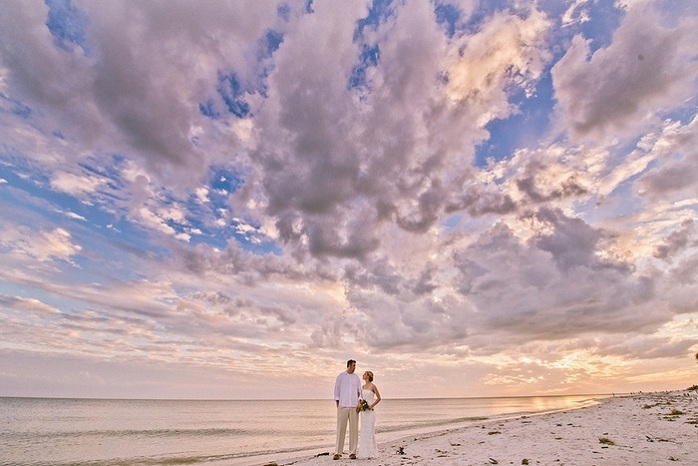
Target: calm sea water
[{"x": 89, "y": 432}]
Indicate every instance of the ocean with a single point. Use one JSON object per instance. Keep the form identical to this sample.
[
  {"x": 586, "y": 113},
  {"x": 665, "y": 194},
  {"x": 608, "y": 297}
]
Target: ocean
[{"x": 91, "y": 432}]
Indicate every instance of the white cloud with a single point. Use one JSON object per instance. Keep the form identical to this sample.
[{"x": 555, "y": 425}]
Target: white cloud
[
  {"x": 75, "y": 216},
  {"x": 152, "y": 220},
  {"x": 42, "y": 246},
  {"x": 202, "y": 195},
  {"x": 576, "y": 13},
  {"x": 508, "y": 50},
  {"x": 76, "y": 185},
  {"x": 28, "y": 305}
]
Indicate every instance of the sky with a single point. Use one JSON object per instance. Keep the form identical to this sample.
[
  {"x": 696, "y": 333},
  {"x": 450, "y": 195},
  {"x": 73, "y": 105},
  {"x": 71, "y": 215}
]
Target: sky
[{"x": 229, "y": 199}]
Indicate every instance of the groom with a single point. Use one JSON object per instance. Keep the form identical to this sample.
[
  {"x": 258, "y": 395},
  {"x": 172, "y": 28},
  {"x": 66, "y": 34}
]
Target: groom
[{"x": 347, "y": 392}]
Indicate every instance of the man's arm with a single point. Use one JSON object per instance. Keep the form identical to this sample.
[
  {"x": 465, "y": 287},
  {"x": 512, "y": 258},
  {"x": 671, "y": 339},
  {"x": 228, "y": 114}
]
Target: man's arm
[{"x": 337, "y": 388}]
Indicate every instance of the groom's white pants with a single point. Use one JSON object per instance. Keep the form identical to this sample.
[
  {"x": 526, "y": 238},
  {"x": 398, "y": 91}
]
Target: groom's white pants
[{"x": 344, "y": 415}]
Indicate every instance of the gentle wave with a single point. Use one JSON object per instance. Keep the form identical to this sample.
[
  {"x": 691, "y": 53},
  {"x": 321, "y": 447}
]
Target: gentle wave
[{"x": 124, "y": 433}]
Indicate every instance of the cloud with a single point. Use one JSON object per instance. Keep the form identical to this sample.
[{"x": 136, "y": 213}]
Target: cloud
[
  {"x": 576, "y": 12},
  {"x": 678, "y": 241},
  {"x": 649, "y": 348},
  {"x": 334, "y": 168},
  {"x": 542, "y": 183},
  {"x": 508, "y": 50},
  {"x": 648, "y": 69},
  {"x": 551, "y": 285},
  {"x": 41, "y": 246},
  {"x": 28, "y": 305},
  {"x": 76, "y": 185},
  {"x": 75, "y": 216},
  {"x": 676, "y": 151}
]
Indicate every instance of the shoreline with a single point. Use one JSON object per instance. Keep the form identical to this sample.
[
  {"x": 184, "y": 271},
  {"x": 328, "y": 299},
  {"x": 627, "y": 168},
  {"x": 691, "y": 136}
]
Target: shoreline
[{"x": 645, "y": 428}]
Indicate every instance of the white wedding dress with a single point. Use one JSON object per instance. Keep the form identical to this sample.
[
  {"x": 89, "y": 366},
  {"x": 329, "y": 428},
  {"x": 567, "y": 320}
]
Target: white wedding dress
[{"x": 367, "y": 435}]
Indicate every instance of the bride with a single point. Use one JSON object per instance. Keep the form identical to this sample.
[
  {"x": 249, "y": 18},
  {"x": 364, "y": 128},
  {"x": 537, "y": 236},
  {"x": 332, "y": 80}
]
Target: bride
[{"x": 371, "y": 397}]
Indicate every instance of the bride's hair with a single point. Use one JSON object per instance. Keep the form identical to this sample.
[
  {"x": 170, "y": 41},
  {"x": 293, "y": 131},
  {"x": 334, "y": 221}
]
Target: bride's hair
[{"x": 370, "y": 376}]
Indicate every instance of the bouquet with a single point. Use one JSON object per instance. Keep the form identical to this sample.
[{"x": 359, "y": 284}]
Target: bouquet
[{"x": 364, "y": 406}]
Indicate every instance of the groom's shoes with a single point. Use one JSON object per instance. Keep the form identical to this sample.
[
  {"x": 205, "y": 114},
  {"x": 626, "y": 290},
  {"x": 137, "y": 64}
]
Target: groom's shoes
[
  {"x": 336, "y": 456},
  {"x": 352, "y": 456}
]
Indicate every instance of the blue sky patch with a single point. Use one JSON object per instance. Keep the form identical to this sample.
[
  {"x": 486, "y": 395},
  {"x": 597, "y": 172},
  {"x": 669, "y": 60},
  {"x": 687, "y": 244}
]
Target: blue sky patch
[
  {"x": 272, "y": 40},
  {"x": 284, "y": 11},
  {"x": 369, "y": 57},
  {"x": 21, "y": 110},
  {"x": 67, "y": 23},
  {"x": 378, "y": 14},
  {"x": 605, "y": 19},
  {"x": 448, "y": 15},
  {"x": 522, "y": 129},
  {"x": 232, "y": 90},
  {"x": 233, "y": 95}
]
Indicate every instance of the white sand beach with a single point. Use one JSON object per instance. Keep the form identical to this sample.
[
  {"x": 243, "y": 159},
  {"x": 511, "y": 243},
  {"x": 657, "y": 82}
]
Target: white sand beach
[{"x": 642, "y": 429}]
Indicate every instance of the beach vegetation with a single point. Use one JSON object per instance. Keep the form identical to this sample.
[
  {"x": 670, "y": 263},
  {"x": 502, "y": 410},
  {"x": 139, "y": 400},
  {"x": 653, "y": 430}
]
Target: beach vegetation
[
  {"x": 606, "y": 441},
  {"x": 676, "y": 412},
  {"x": 656, "y": 439},
  {"x": 692, "y": 388}
]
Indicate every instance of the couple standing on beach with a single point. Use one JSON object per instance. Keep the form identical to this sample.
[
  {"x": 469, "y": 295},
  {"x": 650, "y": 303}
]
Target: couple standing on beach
[{"x": 352, "y": 398}]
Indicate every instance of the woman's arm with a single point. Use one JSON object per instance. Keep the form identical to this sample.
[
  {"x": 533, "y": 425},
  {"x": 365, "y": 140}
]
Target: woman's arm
[{"x": 378, "y": 396}]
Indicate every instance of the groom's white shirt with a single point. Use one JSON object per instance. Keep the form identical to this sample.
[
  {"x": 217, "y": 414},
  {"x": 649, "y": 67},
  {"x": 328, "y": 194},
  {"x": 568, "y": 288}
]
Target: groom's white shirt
[{"x": 347, "y": 390}]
